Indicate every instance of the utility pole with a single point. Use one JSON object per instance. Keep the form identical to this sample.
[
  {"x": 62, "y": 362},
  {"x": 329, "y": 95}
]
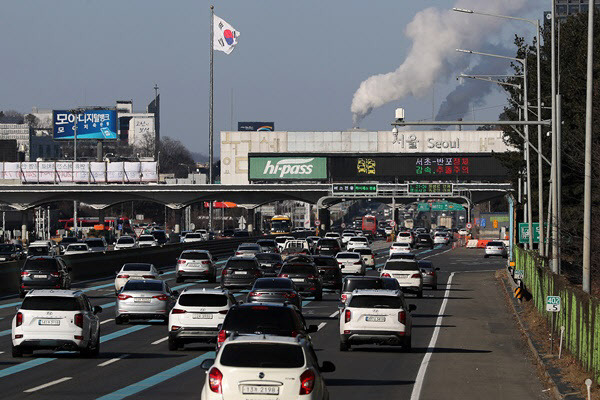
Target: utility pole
[
  {"x": 554, "y": 259},
  {"x": 210, "y": 116},
  {"x": 156, "y": 123}
]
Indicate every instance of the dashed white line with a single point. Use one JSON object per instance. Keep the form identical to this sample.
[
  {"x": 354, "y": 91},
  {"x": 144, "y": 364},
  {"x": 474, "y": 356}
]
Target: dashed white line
[
  {"x": 321, "y": 325},
  {"x": 437, "y": 254},
  {"x": 106, "y": 321},
  {"x": 45, "y": 385},
  {"x": 160, "y": 340},
  {"x": 334, "y": 314},
  {"x": 112, "y": 360},
  {"x": 1, "y": 352}
]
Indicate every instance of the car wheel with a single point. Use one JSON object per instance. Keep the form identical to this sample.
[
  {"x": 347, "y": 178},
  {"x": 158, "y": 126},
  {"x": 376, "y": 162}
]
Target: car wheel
[
  {"x": 486, "y": 256},
  {"x": 173, "y": 345},
  {"x": 21, "y": 294},
  {"x": 213, "y": 279},
  {"x": 91, "y": 351},
  {"x": 319, "y": 295},
  {"x": 119, "y": 320},
  {"x": 179, "y": 279},
  {"x": 407, "y": 345},
  {"x": 17, "y": 352},
  {"x": 344, "y": 346},
  {"x": 420, "y": 294}
]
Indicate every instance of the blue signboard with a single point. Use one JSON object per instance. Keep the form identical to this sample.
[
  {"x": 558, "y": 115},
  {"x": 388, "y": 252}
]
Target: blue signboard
[
  {"x": 256, "y": 126},
  {"x": 91, "y": 124},
  {"x": 483, "y": 223}
]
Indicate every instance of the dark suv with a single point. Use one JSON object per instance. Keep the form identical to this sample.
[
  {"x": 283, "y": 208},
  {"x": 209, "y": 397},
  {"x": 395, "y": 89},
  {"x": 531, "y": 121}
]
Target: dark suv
[
  {"x": 44, "y": 272},
  {"x": 267, "y": 245},
  {"x": 11, "y": 252},
  {"x": 305, "y": 276},
  {"x": 264, "y": 318},
  {"x": 423, "y": 240},
  {"x": 330, "y": 271},
  {"x": 240, "y": 272},
  {"x": 328, "y": 247},
  {"x": 269, "y": 263},
  {"x": 274, "y": 290}
]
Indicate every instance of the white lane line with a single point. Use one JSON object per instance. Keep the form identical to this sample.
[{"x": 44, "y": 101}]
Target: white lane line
[
  {"x": 106, "y": 321},
  {"x": 321, "y": 325},
  {"x": 1, "y": 352},
  {"x": 437, "y": 254},
  {"x": 160, "y": 340},
  {"x": 112, "y": 360},
  {"x": 45, "y": 385},
  {"x": 416, "y": 392},
  {"x": 334, "y": 314}
]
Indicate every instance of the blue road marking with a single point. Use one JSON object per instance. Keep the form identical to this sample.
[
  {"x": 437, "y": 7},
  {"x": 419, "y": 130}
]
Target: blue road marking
[{"x": 24, "y": 366}]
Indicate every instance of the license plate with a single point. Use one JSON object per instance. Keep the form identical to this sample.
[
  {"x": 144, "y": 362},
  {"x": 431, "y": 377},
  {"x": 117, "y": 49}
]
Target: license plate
[
  {"x": 49, "y": 322},
  {"x": 297, "y": 280},
  {"x": 2, "y": 258},
  {"x": 402, "y": 276},
  {"x": 142, "y": 300},
  {"x": 255, "y": 389},
  {"x": 41, "y": 276},
  {"x": 240, "y": 272},
  {"x": 374, "y": 318},
  {"x": 202, "y": 316}
]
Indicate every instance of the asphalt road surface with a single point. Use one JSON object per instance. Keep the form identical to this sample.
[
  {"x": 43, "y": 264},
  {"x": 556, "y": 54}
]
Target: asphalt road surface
[{"x": 465, "y": 346}]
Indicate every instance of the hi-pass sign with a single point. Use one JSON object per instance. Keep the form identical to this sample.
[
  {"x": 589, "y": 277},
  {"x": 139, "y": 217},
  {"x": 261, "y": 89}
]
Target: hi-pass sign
[{"x": 287, "y": 168}]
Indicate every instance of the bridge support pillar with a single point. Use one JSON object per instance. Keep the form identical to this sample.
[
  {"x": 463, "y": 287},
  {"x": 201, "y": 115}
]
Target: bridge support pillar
[
  {"x": 101, "y": 216},
  {"x": 178, "y": 220},
  {"x": 325, "y": 218},
  {"x": 251, "y": 220},
  {"x": 24, "y": 234}
]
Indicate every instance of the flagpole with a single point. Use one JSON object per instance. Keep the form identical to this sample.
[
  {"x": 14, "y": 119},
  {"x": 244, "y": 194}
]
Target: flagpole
[{"x": 210, "y": 116}]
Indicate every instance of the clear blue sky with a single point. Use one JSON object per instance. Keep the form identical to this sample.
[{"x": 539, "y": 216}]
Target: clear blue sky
[{"x": 297, "y": 63}]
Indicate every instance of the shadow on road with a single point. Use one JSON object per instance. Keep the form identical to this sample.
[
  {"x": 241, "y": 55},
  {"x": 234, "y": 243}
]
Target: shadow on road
[
  {"x": 434, "y": 326},
  {"x": 366, "y": 382},
  {"x": 430, "y": 315}
]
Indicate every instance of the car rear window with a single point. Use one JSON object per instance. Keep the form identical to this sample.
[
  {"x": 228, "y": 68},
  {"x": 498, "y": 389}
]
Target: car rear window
[
  {"x": 325, "y": 262},
  {"x": 77, "y": 247},
  {"x": 404, "y": 234},
  {"x": 266, "y": 243},
  {"x": 499, "y": 244},
  {"x": 144, "y": 286},
  {"x": 126, "y": 240},
  {"x": 43, "y": 264},
  {"x": 146, "y": 238},
  {"x": 268, "y": 257},
  {"x": 94, "y": 242},
  {"x": 328, "y": 242},
  {"x": 262, "y": 355},
  {"x": 241, "y": 264},
  {"x": 248, "y": 246},
  {"x": 359, "y": 239},
  {"x": 193, "y": 236},
  {"x": 298, "y": 269},
  {"x": 53, "y": 303},
  {"x": 363, "y": 252},
  {"x": 375, "y": 302},
  {"x": 402, "y": 256},
  {"x": 203, "y": 300},
  {"x": 273, "y": 284},
  {"x": 351, "y": 285},
  {"x": 159, "y": 235},
  {"x": 347, "y": 256},
  {"x": 37, "y": 251},
  {"x": 401, "y": 266},
  {"x": 390, "y": 284},
  {"x": 136, "y": 267},
  {"x": 192, "y": 255},
  {"x": 263, "y": 319},
  {"x": 7, "y": 247}
]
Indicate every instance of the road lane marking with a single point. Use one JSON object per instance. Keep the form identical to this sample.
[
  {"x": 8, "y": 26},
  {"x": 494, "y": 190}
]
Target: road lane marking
[
  {"x": 122, "y": 332},
  {"x": 437, "y": 254},
  {"x": 106, "y": 321},
  {"x": 112, "y": 360},
  {"x": 45, "y": 385},
  {"x": 160, "y": 340},
  {"x": 321, "y": 325},
  {"x": 334, "y": 314},
  {"x": 416, "y": 392},
  {"x": 24, "y": 366}
]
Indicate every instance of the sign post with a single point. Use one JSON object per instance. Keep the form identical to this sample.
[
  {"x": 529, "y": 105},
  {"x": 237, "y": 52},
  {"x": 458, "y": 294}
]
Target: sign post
[{"x": 553, "y": 306}]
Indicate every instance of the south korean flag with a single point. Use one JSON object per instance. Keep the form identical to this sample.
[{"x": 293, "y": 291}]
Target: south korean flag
[{"x": 225, "y": 36}]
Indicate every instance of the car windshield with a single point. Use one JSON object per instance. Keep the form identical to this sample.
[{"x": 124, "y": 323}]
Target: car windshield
[
  {"x": 193, "y": 236},
  {"x": 7, "y": 247},
  {"x": 280, "y": 283},
  {"x": 325, "y": 262},
  {"x": 37, "y": 251},
  {"x": 262, "y": 355},
  {"x": 94, "y": 242},
  {"x": 137, "y": 267},
  {"x": 265, "y": 319},
  {"x": 498, "y": 244},
  {"x": 271, "y": 257},
  {"x": 42, "y": 264},
  {"x": 363, "y": 252},
  {"x": 202, "y": 300},
  {"x": 348, "y": 256},
  {"x": 375, "y": 302},
  {"x": 77, "y": 247},
  {"x": 408, "y": 265},
  {"x": 194, "y": 255},
  {"x": 54, "y": 303},
  {"x": 298, "y": 269},
  {"x": 143, "y": 286},
  {"x": 351, "y": 285},
  {"x": 126, "y": 240},
  {"x": 241, "y": 264}
]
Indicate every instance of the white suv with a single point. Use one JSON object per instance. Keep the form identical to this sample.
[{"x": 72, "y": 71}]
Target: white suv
[
  {"x": 376, "y": 317},
  {"x": 135, "y": 271},
  {"x": 265, "y": 366},
  {"x": 407, "y": 273},
  {"x": 357, "y": 242},
  {"x": 400, "y": 248},
  {"x": 405, "y": 237},
  {"x": 125, "y": 242},
  {"x": 351, "y": 263},
  {"x": 197, "y": 315},
  {"x": 56, "y": 320}
]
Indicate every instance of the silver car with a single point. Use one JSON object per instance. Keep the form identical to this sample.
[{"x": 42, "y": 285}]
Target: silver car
[
  {"x": 144, "y": 299},
  {"x": 429, "y": 273},
  {"x": 247, "y": 249},
  {"x": 496, "y": 249}
]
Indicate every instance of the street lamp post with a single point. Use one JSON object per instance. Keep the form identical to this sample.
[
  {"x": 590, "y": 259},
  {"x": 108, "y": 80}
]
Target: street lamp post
[
  {"x": 535, "y": 23},
  {"x": 523, "y": 62}
]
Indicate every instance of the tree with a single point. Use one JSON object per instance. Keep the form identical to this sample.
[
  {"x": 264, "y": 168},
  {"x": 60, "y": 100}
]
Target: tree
[
  {"x": 172, "y": 155},
  {"x": 11, "y": 117}
]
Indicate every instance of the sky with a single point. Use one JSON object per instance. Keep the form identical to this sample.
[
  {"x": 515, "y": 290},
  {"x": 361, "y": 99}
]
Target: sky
[{"x": 297, "y": 63}]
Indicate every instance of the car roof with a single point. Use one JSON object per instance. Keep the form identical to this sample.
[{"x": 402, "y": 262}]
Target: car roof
[
  {"x": 346, "y": 252},
  {"x": 195, "y": 251},
  {"x": 263, "y": 338},
  {"x": 145, "y": 281},
  {"x": 54, "y": 293},
  {"x": 33, "y": 258},
  {"x": 205, "y": 291},
  {"x": 138, "y": 264},
  {"x": 375, "y": 292}
]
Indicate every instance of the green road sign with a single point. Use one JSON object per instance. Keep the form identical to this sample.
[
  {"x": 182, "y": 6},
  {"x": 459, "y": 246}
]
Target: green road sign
[
  {"x": 353, "y": 188},
  {"x": 552, "y": 303},
  {"x": 524, "y": 232},
  {"x": 429, "y": 188}
]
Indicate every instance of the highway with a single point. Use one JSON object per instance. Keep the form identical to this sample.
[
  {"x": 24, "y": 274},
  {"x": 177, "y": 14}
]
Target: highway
[{"x": 476, "y": 350}]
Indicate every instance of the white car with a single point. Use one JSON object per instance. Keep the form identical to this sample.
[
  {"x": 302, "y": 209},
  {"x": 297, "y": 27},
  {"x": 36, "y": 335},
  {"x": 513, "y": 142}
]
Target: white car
[
  {"x": 197, "y": 315},
  {"x": 388, "y": 230},
  {"x": 197, "y": 264},
  {"x": 367, "y": 255},
  {"x": 463, "y": 232},
  {"x": 77, "y": 248},
  {"x": 296, "y": 244},
  {"x": 405, "y": 237},
  {"x": 264, "y": 366},
  {"x": 441, "y": 238},
  {"x": 280, "y": 240},
  {"x": 407, "y": 273},
  {"x": 356, "y": 242},
  {"x": 42, "y": 248},
  {"x": 400, "y": 248},
  {"x": 335, "y": 235},
  {"x": 495, "y": 248},
  {"x": 125, "y": 242},
  {"x": 351, "y": 263},
  {"x": 376, "y": 317},
  {"x": 56, "y": 319},
  {"x": 204, "y": 233},
  {"x": 346, "y": 236},
  {"x": 135, "y": 271},
  {"x": 193, "y": 237},
  {"x": 147, "y": 241}
]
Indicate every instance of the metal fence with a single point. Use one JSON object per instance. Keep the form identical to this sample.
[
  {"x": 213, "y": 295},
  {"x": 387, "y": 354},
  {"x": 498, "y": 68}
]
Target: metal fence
[{"x": 579, "y": 314}]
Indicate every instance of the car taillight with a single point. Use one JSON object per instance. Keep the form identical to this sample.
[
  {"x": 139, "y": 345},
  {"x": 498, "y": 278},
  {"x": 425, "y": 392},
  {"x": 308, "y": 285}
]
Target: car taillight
[
  {"x": 386, "y": 275},
  {"x": 123, "y": 276},
  {"x": 55, "y": 274},
  {"x": 402, "y": 317},
  {"x": 221, "y": 336},
  {"x": 237, "y": 253},
  {"x": 214, "y": 380},
  {"x": 415, "y": 276},
  {"x": 79, "y": 320},
  {"x": 254, "y": 294},
  {"x": 180, "y": 261},
  {"x": 205, "y": 262},
  {"x": 178, "y": 311},
  {"x": 123, "y": 296},
  {"x": 175, "y": 328},
  {"x": 148, "y": 276},
  {"x": 19, "y": 320},
  {"x": 347, "y": 315},
  {"x": 284, "y": 276},
  {"x": 344, "y": 297},
  {"x": 161, "y": 297},
  {"x": 294, "y": 333},
  {"x": 289, "y": 295},
  {"x": 223, "y": 311},
  {"x": 307, "y": 382},
  {"x": 431, "y": 273},
  {"x": 311, "y": 277},
  {"x": 23, "y": 273}
]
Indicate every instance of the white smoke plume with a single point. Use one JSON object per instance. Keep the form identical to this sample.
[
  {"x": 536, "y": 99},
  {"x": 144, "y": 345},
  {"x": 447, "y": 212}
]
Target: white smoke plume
[{"x": 435, "y": 35}]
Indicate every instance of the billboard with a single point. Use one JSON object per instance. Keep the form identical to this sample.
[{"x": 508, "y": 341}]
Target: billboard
[
  {"x": 256, "y": 126},
  {"x": 287, "y": 168},
  {"x": 91, "y": 124}
]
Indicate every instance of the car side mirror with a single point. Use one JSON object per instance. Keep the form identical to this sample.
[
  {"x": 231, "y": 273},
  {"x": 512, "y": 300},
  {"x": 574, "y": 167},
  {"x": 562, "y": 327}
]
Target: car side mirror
[
  {"x": 206, "y": 364},
  {"x": 97, "y": 309},
  {"x": 327, "y": 366},
  {"x": 378, "y": 269},
  {"x": 412, "y": 307},
  {"x": 312, "y": 328}
]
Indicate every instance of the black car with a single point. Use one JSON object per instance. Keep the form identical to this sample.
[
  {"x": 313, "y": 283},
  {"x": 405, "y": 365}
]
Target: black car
[
  {"x": 267, "y": 245},
  {"x": 305, "y": 276},
  {"x": 330, "y": 271},
  {"x": 160, "y": 236},
  {"x": 44, "y": 272},
  {"x": 240, "y": 272},
  {"x": 328, "y": 247},
  {"x": 352, "y": 283},
  {"x": 264, "y": 318},
  {"x": 423, "y": 240},
  {"x": 274, "y": 290},
  {"x": 66, "y": 241},
  {"x": 11, "y": 252},
  {"x": 228, "y": 233},
  {"x": 239, "y": 234},
  {"x": 270, "y": 263}
]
